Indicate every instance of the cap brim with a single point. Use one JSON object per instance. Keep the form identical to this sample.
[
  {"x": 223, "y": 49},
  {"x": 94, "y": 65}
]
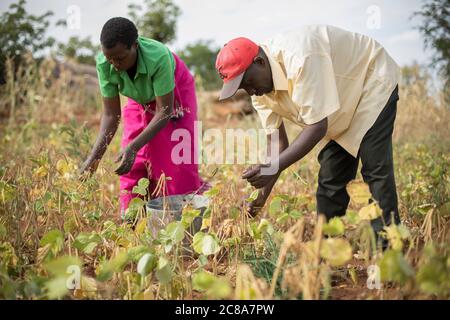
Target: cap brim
[{"x": 229, "y": 88}]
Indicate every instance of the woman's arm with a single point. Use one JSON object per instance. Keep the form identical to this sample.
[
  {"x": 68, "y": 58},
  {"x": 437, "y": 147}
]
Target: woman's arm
[
  {"x": 108, "y": 127},
  {"x": 164, "y": 109}
]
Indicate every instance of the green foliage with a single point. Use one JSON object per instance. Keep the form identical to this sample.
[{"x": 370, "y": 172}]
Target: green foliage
[
  {"x": 52, "y": 243},
  {"x": 141, "y": 187},
  {"x": 21, "y": 32},
  {"x": 81, "y": 50},
  {"x": 214, "y": 287},
  {"x": 200, "y": 57},
  {"x": 435, "y": 29},
  {"x": 334, "y": 227},
  {"x": 205, "y": 243},
  {"x": 394, "y": 267},
  {"x": 158, "y": 20},
  {"x": 433, "y": 275},
  {"x": 336, "y": 251}
]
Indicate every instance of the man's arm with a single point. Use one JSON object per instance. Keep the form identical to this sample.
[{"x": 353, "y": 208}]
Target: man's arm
[
  {"x": 278, "y": 143},
  {"x": 108, "y": 126},
  {"x": 164, "y": 109},
  {"x": 301, "y": 146},
  {"x": 303, "y": 143}
]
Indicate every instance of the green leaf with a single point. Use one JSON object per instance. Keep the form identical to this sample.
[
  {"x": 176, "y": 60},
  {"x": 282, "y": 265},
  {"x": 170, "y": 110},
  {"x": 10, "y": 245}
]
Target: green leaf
[
  {"x": 175, "y": 230},
  {"x": 163, "y": 271},
  {"x": 351, "y": 217},
  {"x": 370, "y": 212},
  {"x": 56, "y": 288},
  {"x": 394, "y": 267},
  {"x": 283, "y": 218},
  {"x": 359, "y": 192},
  {"x": 295, "y": 214},
  {"x": 188, "y": 216},
  {"x": 265, "y": 227},
  {"x": 146, "y": 264},
  {"x": 202, "y": 260},
  {"x": 90, "y": 247},
  {"x": 136, "y": 203},
  {"x": 143, "y": 183},
  {"x": 109, "y": 230},
  {"x": 60, "y": 265},
  {"x": 202, "y": 280},
  {"x": 336, "y": 251},
  {"x": 206, "y": 244},
  {"x": 115, "y": 264},
  {"x": 142, "y": 187},
  {"x": 275, "y": 206},
  {"x": 334, "y": 227},
  {"x": 207, "y": 213},
  {"x": 135, "y": 253},
  {"x": 52, "y": 237},
  {"x": 253, "y": 196},
  {"x": 215, "y": 287},
  {"x": 55, "y": 240},
  {"x": 212, "y": 192},
  {"x": 396, "y": 234},
  {"x": 87, "y": 242}
]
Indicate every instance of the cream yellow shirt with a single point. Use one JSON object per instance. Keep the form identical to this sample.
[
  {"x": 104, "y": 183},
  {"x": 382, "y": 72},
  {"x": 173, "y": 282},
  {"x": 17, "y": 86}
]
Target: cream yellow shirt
[{"x": 323, "y": 71}]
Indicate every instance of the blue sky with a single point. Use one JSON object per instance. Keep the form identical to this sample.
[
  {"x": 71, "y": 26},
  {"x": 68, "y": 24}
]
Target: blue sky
[{"x": 258, "y": 19}]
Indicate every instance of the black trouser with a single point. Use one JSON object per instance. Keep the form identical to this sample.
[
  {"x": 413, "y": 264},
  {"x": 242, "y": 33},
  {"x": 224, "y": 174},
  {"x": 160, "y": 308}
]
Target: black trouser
[{"x": 338, "y": 168}]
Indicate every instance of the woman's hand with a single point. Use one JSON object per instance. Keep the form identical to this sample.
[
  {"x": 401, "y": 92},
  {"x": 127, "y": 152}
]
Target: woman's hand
[
  {"x": 126, "y": 159},
  {"x": 88, "y": 168}
]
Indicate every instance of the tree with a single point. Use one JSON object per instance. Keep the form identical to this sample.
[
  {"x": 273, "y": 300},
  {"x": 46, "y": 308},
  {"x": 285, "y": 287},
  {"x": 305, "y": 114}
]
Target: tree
[
  {"x": 159, "y": 20},
  {"x": 80, "y": 50},
  {"x": 200, "y": 57},
  {"x": 435, "y": 29},
  {"x": 21, "y": 32}
]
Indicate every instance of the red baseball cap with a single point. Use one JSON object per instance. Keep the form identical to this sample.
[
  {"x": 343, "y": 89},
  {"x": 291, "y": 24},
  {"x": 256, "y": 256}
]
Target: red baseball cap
[{"x": 232, "y": 61}]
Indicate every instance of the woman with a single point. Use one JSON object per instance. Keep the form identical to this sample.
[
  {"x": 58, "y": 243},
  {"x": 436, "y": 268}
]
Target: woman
[{"x": 161, "y": 99}]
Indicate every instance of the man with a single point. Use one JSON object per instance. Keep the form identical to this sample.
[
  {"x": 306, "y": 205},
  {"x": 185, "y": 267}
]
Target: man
[{"x": 341, "y": 87}]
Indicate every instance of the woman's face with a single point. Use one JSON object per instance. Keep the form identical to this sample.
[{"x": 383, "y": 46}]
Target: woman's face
[{"x": 121, "y": 57}]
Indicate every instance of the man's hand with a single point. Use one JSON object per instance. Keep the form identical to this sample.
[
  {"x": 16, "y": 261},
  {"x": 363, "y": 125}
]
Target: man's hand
[
  {"x": 126, "y": 158},
  {"x": 253, "y": 207},
  {"x": 257, "y": 178}
]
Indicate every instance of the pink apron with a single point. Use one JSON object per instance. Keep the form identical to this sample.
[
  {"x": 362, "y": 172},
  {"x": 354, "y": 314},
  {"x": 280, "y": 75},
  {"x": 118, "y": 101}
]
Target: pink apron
[{"x": 154, "y": 159}]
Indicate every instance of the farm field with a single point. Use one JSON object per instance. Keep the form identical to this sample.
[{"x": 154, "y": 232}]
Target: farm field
[{"x": 61, "y": 238}]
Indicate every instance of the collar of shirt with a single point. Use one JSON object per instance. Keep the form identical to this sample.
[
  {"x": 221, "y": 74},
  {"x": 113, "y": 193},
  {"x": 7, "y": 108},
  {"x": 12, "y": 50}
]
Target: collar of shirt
[{"x": 280, "y": 81}]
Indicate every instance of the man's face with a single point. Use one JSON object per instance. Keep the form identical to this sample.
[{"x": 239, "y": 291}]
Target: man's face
[
  {"x": 257, "y": 78},
  {"x": 121, "y": 57}
]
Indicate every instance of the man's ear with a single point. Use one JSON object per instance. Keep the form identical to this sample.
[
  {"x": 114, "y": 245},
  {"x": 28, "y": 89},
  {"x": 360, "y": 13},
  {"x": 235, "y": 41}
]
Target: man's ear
[{"x": 259, "y": 60}]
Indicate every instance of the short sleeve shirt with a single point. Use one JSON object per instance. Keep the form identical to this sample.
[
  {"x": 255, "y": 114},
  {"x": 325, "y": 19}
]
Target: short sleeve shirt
[{"x": 322, "y": 71}]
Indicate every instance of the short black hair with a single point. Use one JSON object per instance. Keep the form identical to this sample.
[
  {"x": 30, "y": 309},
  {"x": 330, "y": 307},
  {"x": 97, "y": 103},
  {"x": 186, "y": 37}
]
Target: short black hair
[{"x": 118, "y": 30}]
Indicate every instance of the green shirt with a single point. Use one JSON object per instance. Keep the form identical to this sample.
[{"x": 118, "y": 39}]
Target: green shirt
[{"x": 154, "y": 73}]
